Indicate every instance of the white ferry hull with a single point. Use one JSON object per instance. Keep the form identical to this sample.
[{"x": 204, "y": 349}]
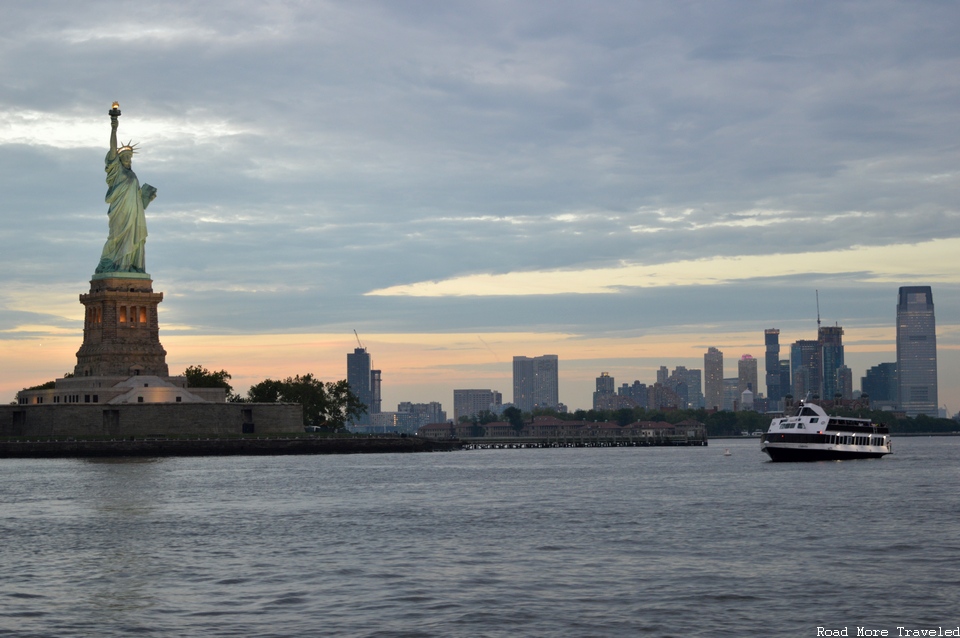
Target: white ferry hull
[{"x": 814, "y": 452}]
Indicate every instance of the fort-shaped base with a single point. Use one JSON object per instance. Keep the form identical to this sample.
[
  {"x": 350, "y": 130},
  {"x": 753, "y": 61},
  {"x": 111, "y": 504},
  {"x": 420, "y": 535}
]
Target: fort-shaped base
[{"x": 121, "y": 330}]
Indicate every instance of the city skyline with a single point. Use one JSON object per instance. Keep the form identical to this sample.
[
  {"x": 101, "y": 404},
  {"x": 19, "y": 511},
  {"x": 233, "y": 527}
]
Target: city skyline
[
  {"x": 623, "y": 185},
  {"x": 826, "y": 351}
]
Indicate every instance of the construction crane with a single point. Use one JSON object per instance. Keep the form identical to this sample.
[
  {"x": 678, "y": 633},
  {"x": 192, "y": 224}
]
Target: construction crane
[{"x": 358, "y": 338}]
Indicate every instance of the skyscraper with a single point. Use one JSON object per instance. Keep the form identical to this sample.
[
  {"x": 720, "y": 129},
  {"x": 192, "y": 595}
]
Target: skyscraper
[
  {"x": 844, "y": 383},
  {"x": 359, "y": 378},
  {"x": 880, "y": 384},
  {"x": 713, "y": 379},
  {"x": 831, "y": 358},
  {"x": 693, "y": 379},
  {"x": 775, "y": 392},
  {"x": 662, "y": 375},
  {"x": 636, "y": 393},
  {"x": 374, "y": 407},
  {"x": 917, "y": 351},
  {"x": 747, "y": 374},
  {"x": 536, "y": 382},
  {"x": 807, "y": 368},
  {"x": 786, "y": 385},
  {"x": 605, "y": 388}
]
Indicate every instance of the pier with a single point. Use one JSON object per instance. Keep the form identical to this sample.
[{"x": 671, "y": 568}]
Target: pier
[
  {"x": 546, "y": 431},
  {"x": 490, "y": 443}
]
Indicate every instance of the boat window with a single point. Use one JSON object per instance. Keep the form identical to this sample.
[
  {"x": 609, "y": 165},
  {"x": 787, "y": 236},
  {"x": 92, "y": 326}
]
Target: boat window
[
  {"x": 800, "y": 426},
  {"x": 807, "y": 412},
  {"x": 814, "y": 419}
]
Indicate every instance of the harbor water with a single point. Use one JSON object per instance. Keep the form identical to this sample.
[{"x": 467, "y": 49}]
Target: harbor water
[{"x": 526, "y": 542}]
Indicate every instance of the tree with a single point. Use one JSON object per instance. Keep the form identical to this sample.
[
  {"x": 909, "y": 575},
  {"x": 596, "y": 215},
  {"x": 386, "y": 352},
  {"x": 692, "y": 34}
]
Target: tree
[
  {"x": 200, "y": 377},
  {"x": 482, "y": 417},
  {"x": 49, "y": 385},
  {"x": 515, "y": 417},
  {"x": 486, "y": 416},
  {"x": 328, "y": 405}
]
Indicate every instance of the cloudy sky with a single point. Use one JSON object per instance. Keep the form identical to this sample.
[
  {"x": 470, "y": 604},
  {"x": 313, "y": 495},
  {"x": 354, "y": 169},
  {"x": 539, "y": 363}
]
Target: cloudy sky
[{"x": 620, "y": 183}]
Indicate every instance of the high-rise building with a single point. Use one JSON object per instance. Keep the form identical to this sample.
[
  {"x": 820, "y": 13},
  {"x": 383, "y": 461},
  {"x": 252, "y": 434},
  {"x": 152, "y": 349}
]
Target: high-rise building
[
  {"x": 662, "y": 375},
  {"x": 660, "y": 396},
  {"x": 831, "y": 358},
  {"x": 374, "y": 407},
  {"x": 605, "y": 388},
  {"x": 694, "y": 380},
  {"x": 880, "y": 385},
  {"x": 713, "y": 379},
  {"x": 786, "y": 385},
  {"x": 775, "y": 392},
  {"x": 637, "y": 392},
  {"x": 807, "y": 368},
  {"x": 747, "y": 374},
  {"x": 917, "y": 351},
  {"x": 844, "y": 378},
  {"x": 423, "y": 413},
  {"x": 731, "y": 394},
  {"x": 364, "y": 383},
  {"x": 687, "y": 385},
  {"x": 536, "y": 382},
  {"x": 470, "y": 403}
]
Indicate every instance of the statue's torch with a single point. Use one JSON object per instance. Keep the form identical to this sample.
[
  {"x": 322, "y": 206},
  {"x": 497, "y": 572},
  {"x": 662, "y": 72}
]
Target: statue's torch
[{"x": 114, "y": 111}]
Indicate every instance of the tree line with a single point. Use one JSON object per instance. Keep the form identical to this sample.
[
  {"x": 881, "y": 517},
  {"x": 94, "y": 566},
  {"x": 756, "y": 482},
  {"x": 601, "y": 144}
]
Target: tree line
[{"x": 329, "y": 405}]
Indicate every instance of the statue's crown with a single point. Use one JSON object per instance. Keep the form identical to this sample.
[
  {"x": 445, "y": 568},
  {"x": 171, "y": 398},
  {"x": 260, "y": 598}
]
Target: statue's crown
[{"x": 128, "y": 147}]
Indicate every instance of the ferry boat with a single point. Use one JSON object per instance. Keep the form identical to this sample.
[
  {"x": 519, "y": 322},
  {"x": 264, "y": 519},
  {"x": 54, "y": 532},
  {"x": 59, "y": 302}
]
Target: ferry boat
[{"x": 812, "y": 435}]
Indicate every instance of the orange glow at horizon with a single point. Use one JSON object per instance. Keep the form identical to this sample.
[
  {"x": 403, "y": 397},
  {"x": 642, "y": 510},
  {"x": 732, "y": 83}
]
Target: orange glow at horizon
[{"x": 426, "y": 367}]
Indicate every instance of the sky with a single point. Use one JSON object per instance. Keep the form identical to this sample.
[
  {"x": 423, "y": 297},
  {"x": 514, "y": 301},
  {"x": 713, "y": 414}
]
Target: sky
[{"x": 623, "y": 184}]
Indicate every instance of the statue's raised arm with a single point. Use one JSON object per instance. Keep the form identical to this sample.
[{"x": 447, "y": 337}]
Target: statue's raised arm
[
  {"x": 124, "y": 249},
  {"x": 114, "y": 123}
]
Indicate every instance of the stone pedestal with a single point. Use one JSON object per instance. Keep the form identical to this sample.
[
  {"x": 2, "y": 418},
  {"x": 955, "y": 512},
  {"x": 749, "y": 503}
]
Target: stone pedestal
[{"x": 121, "y": 332}]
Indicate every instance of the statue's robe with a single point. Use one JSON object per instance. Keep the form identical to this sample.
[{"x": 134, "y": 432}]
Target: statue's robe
[{"x": 124, "y": 250}]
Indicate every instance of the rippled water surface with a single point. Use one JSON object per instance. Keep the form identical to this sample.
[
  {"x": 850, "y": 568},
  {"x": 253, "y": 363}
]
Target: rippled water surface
[{"x": 566, "y": 542}]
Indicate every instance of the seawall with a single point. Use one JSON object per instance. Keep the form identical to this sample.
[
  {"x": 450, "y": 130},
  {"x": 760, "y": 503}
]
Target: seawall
[{"x": 218, "y": 447}]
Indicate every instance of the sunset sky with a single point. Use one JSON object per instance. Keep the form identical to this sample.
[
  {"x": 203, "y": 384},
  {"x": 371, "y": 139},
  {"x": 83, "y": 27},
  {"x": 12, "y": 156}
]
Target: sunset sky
[{"x": 623, "y": 184}]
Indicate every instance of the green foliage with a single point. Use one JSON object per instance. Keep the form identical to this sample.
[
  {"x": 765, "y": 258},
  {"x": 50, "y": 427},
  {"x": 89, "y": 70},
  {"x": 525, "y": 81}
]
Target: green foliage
[
  {"x": 200, "y": 377},
  {"x": 483, "y": 417},
  {"x": 486, "y": 416},
  {"x": 514, "y": 417},
  {"x": 477, "y": 430},
  {"x": 624, "y": 416},
  {"x": 722, "y": 423},
  {"x": 49, "y": 385},
  {"x": 328, "y": 405},
  {"x": 924, "y": 423},
  {"x": 727, "y": 423}
]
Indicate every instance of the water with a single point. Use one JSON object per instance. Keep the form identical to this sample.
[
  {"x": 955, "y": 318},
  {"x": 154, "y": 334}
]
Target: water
[{"x": 567, "y": 542}]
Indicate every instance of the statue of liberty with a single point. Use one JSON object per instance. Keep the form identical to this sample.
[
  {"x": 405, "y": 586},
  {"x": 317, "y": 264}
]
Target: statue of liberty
[{"x": 124, "y": 250}]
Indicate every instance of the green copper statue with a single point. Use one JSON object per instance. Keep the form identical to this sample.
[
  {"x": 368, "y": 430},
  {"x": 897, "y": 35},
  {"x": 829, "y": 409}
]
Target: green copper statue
[{"x": 124, "y": 250}]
